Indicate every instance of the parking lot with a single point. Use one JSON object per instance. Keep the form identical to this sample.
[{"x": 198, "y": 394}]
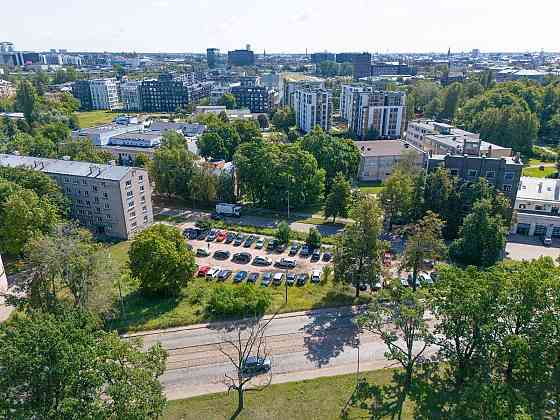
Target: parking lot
[{"x": 302, "y": 264}]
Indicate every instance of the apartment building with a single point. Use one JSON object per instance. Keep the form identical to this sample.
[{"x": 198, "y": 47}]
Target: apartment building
[
  {"x": 82, "y": 92},
  {"x": 114, "y": 201},
  {"x": 241, "y": 58},
  {"x": 362, "y": 65},
  {"x": 212, "y": 57},
  {"x": 537, "y": 207},
  {"x": 313, "y": 107},
  {"x": 250, "y": 94},
  {"x": 440, "y": 139},
  {"x": 130, "y": 95},
  {"x": 168, "y": 93},
  {"x": 96, "y": 94},
  {"x": 319, "y": 57},
  {"x": 379, "y": 157},
  {"x": 288, "y": 85},
  {"x": 374, "y": 114}
]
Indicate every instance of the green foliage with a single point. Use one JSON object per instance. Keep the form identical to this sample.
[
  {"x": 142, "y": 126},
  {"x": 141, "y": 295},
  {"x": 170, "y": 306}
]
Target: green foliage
[
  {"x": 27, "y": 100},
  {"x": 338, "y": 200},
  {"x": 227, "y": 300},
  {"x": 452, "y": 97},
  {"x": 161, "y": 261},
  {"x": 284, "y": 118},
  {"x": 313, "y": 238},
  {"x": 283, "y": 232},
  {"x": 228, "y": 100},
  {"x": 61, "y": 366},
  {"x": 85, "y": 151},
  {"x": 397, "y": 197}
]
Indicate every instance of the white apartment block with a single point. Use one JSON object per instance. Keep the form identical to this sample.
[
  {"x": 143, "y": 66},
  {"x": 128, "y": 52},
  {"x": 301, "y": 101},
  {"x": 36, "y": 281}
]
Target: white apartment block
[
  {"x": 110, "y": 200},
  {"x": 104, "y": 93},
  {"x": 374, "y": 113},
  {"x": 130, "y": 94},
  {"x": 440, "y": 139},
  {"x": 313, "y": 107}
]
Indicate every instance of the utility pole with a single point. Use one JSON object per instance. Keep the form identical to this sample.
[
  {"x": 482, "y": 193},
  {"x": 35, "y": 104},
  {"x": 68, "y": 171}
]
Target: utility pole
[
  {"x": 288, "y": 206},
  {"x": 286, "y": 285}
]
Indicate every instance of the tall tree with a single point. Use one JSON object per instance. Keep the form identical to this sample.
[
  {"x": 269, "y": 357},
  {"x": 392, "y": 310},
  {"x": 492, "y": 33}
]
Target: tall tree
[
  {"x": 284, "y": 119},
  {"x": 283, "y": 232},
  {"x": 396, "y": 197},
  {"x": 228, "y": 100},
  {"x": 27, "y": 100},
  {"x": 338, "y": 200}
]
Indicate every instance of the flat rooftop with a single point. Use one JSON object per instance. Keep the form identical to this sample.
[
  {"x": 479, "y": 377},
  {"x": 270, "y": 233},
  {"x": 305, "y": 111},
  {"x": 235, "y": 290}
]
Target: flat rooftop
[
  {"x": 541, "y": 189},
  {"x": 384, "y": 148}
]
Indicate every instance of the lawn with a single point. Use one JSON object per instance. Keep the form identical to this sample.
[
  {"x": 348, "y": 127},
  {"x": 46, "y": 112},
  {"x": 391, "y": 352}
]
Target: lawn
[
  {"x": 374, "y": 187},
  {"x": 538, "y": 173},
  {"x": 143, "y": 313},
  {"x": 321, "y": 398},
  {"x": 93, "y": 118}
]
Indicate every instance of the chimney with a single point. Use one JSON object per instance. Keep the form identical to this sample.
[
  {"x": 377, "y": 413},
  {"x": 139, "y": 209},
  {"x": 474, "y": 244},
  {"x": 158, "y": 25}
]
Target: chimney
[
  {"x": 540, "y": 187},
  {"x": 489, "y": 150}
]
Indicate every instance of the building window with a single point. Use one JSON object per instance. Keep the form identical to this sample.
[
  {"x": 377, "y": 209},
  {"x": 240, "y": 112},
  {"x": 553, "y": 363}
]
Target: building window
[
  {"x": 141, "y": 178},
  {"x": 133, "y": 224},
  {"x": 84, "y": 182},
  {"x": 128, "y": 184},
  {"x": 523, "y": 206},
  {"x": 94, "y": 188},
  {"x": 74, "y": 180},
  {"x": 130, "y": 204},
  {"x": 132, "y": 214},
  {"x": 145, "y": 219},
  {"x": 106, "y": 205},
  {"x": 108, "y": 217},
  {"x": 86, "y": 193},
  {"x": 454, "y": 172},
  {"x": 66, "y": 179},
  {"x": 490, "y": 174},
  {"x": 141, "y": 188},
  {"x": 507, "y": 188},
  {"x": 129, "y": 193},
  {"x": 145, "y": 209},
  {"x": 508, "y": 176},
  {"x": 105, "y": 195},
  {"x": 472, "y": 173},
  {"x": 539, "y": 208}
]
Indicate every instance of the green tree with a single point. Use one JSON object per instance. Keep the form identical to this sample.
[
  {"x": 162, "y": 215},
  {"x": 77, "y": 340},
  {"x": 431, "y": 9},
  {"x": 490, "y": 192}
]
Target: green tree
[
  {"x": 172, "y": 170},
  {"x": 313, "y": 238},
  {"x": 263, "y": 121},
  {"x": 283, "y": 119},
  {"x": 203, "y": 185},
  {"x": 423, "y": 241},
  {"x": 441, "y": 196},
  {"x": 27, "y": 100},
  {"x": 283, "y": 232},
  {"x": 396, "y": 197},
  {"x": 357, "y": 256},
  {"x": 338, "y": 200},
  {"x": 482, "y": 237},
  {"x": 248, "y": 130},
  {"x": 160, "y": 260},
  {"x": 85, "y": 151},
  {"x": 452, "y": 97},
  {"x": 141, "y": 160},
  {"x": 228, "y": 100},
  {"x": 61, "y": 366}
]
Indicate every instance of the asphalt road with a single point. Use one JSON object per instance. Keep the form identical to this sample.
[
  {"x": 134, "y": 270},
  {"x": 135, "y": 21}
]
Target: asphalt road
[{"x": 301, "y": 346}]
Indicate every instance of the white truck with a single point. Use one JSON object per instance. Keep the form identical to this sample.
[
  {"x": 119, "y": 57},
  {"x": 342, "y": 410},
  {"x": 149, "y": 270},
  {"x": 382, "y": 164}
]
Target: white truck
[{"x": 225, "y": 209}]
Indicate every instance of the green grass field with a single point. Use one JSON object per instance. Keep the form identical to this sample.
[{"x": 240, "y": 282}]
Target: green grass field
[
  {"x": 93, "y": 118},
  {"x": 144, "y": 313},
  {"x": 537, "y": 173},
  {"x": 370, "y": 187},
  {"x": 321, "y": 398}
]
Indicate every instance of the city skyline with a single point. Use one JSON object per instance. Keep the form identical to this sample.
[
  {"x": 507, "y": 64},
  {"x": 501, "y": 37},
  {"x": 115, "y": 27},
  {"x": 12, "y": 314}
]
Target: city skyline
[{"x": 174, "y": 26}]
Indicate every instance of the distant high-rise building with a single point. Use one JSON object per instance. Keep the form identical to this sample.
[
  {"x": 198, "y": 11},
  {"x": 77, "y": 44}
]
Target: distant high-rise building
[
  {"x": 212, "y": 57},
  {"x": 362, "y": 65},
  {"x": 104, "y": 93},
  {"x": 346, "y": 57},
  {"x": 241, "y": 58},
  {"x": 130, "y": 94},
  {"x": 6, "y": 47},
  {"x": 82, "y": 92},
  {"x": 313, "y": 107},
  {"x": 388, "y": 69},
  {"x": 475, "y": 53},
  {"x": 319, "y": 57}
]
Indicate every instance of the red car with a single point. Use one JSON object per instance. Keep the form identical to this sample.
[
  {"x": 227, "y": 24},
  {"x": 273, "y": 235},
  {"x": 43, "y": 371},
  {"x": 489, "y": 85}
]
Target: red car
[
  {"x": 221, "y": 236},
  {"x": 202, "y": 271}
]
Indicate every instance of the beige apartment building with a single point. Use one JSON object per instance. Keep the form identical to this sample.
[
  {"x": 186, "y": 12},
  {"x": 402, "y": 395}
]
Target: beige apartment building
[{"x": 115, "y": 201}]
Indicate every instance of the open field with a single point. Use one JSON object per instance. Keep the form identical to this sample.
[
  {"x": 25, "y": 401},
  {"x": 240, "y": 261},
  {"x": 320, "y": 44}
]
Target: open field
[
  {"x": 93, "y": 118},
  {"x": 536, "y": 172},
  {"x": 370, "y": 187},
  {"x": 321, "y": 398}
]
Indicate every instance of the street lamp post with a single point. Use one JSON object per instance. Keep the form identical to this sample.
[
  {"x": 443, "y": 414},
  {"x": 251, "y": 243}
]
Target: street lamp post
[
  {"x": 286, "y": 286},
  {"x": 288, "y": 206}
]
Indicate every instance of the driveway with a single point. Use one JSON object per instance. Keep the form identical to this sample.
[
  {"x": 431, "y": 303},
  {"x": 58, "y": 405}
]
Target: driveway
[{"x": 521, "y": 248}]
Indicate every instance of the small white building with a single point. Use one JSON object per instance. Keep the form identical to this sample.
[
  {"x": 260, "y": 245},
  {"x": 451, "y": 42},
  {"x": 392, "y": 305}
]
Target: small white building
[{"x": 537, "y": 207}]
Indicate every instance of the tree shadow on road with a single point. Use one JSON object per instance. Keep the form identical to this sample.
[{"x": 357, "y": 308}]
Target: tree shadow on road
[{"x": 328, "y": 333}]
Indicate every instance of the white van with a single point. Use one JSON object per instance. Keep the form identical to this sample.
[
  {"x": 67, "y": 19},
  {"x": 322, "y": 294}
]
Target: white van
[{"x": 316, "y": 276}]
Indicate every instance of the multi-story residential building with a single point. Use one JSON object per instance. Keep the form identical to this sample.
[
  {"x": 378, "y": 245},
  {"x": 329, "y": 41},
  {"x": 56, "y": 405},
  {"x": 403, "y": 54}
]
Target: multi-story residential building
[
  {"x": 82, "y": 92},
  {"x": 130, "y": 95},
  {"x": 290, "y": 84},
  {"x": 104, "y": 93},
  {"x": 362, "y": 65},
  {"x": 379, "y": 157},
  {"x": 317, "y": 58},
  {"x": 7, "y": 89},
  {"x": 440, "y": 139},
  {"x": 384, "y": 69},
  {"x": 503, "y": 173},
  {"x": 373, "y": 114},
  {"x": 537, "y": 207},
  {"x": 115, "y": 201},
  {"x": 313, "y": 107},
  {"x": 249, "y": 94},
  {"x": 241, "y": 58},
  {"x": 168, "y": 93},
  {"x": 212, "y": 57}
]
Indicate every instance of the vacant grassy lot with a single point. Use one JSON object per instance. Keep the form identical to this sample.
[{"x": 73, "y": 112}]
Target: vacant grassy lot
[
  {"x": 536, "y": 172},
  {"x": 93, "y": 118},
  {"x": 321, "y": 398},
  {"x": 370, "y": 187},
  {"x": 142, "y": 313}
]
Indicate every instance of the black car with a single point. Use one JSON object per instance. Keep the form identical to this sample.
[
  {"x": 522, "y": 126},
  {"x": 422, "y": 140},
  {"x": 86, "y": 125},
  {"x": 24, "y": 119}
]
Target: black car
[
  {"x": 302, "y": 279},
  {"x": 294, "y": 250},
  {"x": 239, "y": 239},
  {"x": 272, "y": 244},
  {"x": 290, "y": 279},
  {"x": 212, "y": 235},
  {"x": 316, "y": 256},
  {"x": 249, "y": 241},
  {"x": 281, "y": 248},
  {"x": 254, "y": 365},
  {"x": 253, "y": 277},
  {"x": 191, "y": 233},
  {"x": 304, "y": 251},
  {"x": 242, "y": 257},
  {"x": 224, "y": 275},
  {"x": 203, "y": 234},
  {"x": 266, "y": 279},
  {"x": 327, "y": 256},
  {"x": 230, "y": 237},
  {"x": 240, "y": 276},
  {"x": 222, "y": 254}
]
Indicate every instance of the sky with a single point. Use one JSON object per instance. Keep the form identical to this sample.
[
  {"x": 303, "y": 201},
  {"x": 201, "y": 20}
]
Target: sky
[{"x": 282, "y": 25}]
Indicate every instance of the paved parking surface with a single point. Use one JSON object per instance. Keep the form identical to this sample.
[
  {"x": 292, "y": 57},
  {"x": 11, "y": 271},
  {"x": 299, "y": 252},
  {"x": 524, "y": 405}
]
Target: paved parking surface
[{"x": 529, "y": 248}]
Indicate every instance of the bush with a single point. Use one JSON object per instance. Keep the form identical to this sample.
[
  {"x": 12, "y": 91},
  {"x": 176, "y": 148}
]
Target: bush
[
  {"x": 314, "y": 238},
  {"x": 228, "y": 300},
  {"x": 544, "y": 154},
  {"x": 283, "y": 233}
]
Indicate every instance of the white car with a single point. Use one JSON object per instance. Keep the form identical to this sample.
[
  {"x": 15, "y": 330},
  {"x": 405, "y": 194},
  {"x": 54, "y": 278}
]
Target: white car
[
  {"x": 426, "y": 279},
  {"x": 286, "y": 263},
  {"x": 213, "y": 272},
  {"x": 315, "y": 276}
]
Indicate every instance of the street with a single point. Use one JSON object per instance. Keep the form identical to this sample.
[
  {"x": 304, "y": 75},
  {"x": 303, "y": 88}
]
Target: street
[{"x": 301, "y": 346}]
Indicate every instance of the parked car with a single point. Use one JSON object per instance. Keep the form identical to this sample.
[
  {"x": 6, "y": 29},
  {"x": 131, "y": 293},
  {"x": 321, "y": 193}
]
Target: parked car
[
  {"x": 280, "y": 248},
  {"x": 224, "y": 275},
  {"x": 203, "y": 234},
  {"x": 263, "y": 261},
  {"x": 259, "y": 243},
  {"x": 315, "y": 276},
  {"x": 547, "y": 240},
  {"x": 203, "y": 271},
  {"x": 221, "y": 236},
  {"x": 272, "y": 244},
  {"x": 290, "y": 279},
  {"x": 249, "y": 241},
  {"x": 302, "y": 279},
  {"x": 222, "y": 254},
  {"x": 254, "y": 365},
  {"x": 316, "y": 256},
  {"x": 230, "y": 237},
  {"x": 286, "y": 263},
  {"x": 202, "y": 252},
  {"x": 239, "y": 239},
  {"x": 213, "y": 272},
  {"x": 304, "y": 251},
  {"x": 212, "y": 235},
  {"x": 278, "y": 277},
  {"x": 428, "y": 263},
  {"x": 411, "y": 280},
  {"x": 426, "y": 279},
  {"x": 327, "y": 256},
  {"x": 239, "y": 276},
  {"x": 192, "y": 233},
  {"x": 242, "y": 258},
  {"x": 266, "y": 279},
  {"x": 294, "y": 248},
  {"x": 404, "y": 280},
  {"x": 253, "y": 277}
]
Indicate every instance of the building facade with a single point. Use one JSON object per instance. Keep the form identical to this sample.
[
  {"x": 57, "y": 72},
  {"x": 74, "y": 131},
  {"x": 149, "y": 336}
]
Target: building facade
[
  {"x": 241, "y": 58},
  {"x": 212, "y": 57},
  {"x": 104, "y": 94},
  {"x": 317, "y": 58},
  {"x": 251, "y": 95},
  {"x": 114, "y": 201},
  {"x": 130, "y": 95},
  {"x": 537, "y": 208},
  {"x": 169, "y": 94},
  {"x": 313, "y": 107},
  {"x": 362, "y": 65},
  {"x": 82, "y": 92}
]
